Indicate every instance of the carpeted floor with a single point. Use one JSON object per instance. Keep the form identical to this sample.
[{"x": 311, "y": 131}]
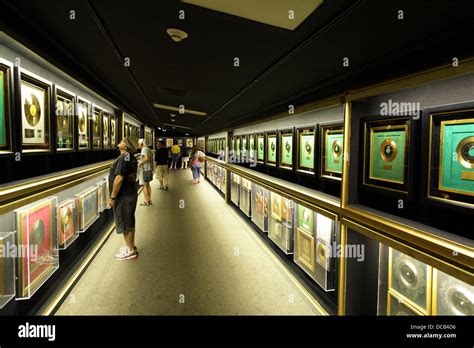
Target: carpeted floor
[{"x": 197, "y": 257}]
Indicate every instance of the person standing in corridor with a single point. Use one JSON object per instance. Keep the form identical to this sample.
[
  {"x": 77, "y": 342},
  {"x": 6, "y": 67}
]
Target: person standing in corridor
[
  {"x": 123, "y": 196},
  {"x": 145, "y": 171},
  {"x": 161, "y": 165},
  {"x": 175, "y": 153},
  {"x": 197, "y": 158}
]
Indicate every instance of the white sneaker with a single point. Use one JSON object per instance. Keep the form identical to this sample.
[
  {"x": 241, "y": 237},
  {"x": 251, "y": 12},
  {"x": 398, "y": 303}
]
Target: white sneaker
[
  {"x": 124, "y": 249},
  {"x": 125, "y": 255}
]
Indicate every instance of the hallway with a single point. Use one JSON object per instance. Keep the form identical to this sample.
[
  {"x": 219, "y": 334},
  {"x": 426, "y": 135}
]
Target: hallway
[{"x": 197, "y": 257}]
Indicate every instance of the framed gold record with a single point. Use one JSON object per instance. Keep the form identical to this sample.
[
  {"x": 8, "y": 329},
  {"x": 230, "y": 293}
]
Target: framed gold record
[
  {"x": 305, "y": 250},
  {"x": 331, "y": 151},
  {"x": 35, "y": 96},
  {"x": 6, "y": 69},
  {"x": 96, "y": 125},
  {"x": 83, "y": 112},
  {"x": 64, "y": 116},
  {"x": 106, "y": 130},
  {"x": 275, "y": 206},
  {"x": 113, "y": 131}
]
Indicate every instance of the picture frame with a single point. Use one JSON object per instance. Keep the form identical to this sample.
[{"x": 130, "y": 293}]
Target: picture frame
[
  {"x": 275, "y": 205},
  {"x": 96, "y": 127},
  {"x": 244, "y": 147},
  {"x": 261, "y": 148},
  {"x": 397, "y": 306},
  {"x": 169, "y": 142},
  {"x": 67, "y": 223},
  {"x": 113, "y": 131},
  {"x": 35, "y": 105},
  {"x": 87, "y": 208},
  {"x": 6, "y": 78},
  {"x": 305, "y": 219},
  {"x": 36, "y": 226},
  {"x": 451, "y": 296},
  {"x": 65, "y": 118},
  {"x": 83, "y": 112},
  {"x": 189, "y": 143},
  {"x": 271, "y": 148},
  {"x": 252, "y": 148},
  {"x": 103, "y": 194},
  {"x": 306, "y": 147},
  {"x": 331, "y": 151},
  {"x": 286, "y": 149},
  {"x": 305, "y": 250},
  {"x": 106, "y": 130},
  {"x": 451, "y": 157}
]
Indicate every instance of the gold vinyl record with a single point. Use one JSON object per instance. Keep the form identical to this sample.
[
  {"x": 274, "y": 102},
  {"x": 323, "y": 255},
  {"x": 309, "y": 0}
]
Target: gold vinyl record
[
  {"x": 106, "y": 127},
  {"x": 322, "y": 254},
  {"x": 95, "y": 124},
  {"x": 32, "y": 110},
  {"x": 465, "y": 152},
  {"x": 63, "y": 124},
  {"x": 336, "y": 148},
  {"x": 82, "y": 122},
  {"x": 307, "y": 147},
  {"x": 287, "y": 147},
  {"x": 37, "y": 233},
  {"x": 66, "y": 218},
  {"x": 388, "y": 150}
]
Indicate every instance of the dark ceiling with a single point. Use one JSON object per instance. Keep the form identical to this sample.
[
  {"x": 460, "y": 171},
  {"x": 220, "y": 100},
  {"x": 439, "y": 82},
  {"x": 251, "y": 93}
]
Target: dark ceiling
[{"x": 277, "y": 66}]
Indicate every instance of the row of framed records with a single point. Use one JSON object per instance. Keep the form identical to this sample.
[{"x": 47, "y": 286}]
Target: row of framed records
[
  {"x": 217, "y": 176},
  {"x": 216, "y": 146},
  {"x": 49, "y": 113},
  {"x": 294, "y": 228},
  {"x": 300, "y": 149},
  {"x": 42, "y": 229}
]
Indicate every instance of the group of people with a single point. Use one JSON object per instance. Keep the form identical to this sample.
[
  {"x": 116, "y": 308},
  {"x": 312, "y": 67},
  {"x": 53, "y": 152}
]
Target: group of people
[{"x": 127, "y": 173}]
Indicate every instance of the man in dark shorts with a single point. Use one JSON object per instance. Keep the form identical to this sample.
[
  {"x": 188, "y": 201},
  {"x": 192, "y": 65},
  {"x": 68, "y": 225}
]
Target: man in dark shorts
[{"x": 123, "y": 196}]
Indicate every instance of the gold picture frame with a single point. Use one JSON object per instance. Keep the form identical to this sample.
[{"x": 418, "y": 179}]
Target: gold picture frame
[{"x": 308, "y": 258}]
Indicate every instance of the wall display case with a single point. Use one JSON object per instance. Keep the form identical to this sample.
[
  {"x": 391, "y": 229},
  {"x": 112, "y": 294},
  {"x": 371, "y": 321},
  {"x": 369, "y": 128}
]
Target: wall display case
[
  {"x": 106, "y": 130},
  {"x": 245, "y": 196},
  {"x": 306, "y": 145},
  {"x": 259, "y": 206},
  {"x": 35, "y": 99},
  {"x": 102, "y": 194},
  {"x": 332, "y": 151},
  {"x": 260, "y": 148},
  {"x": 87, "y": 207},
  {"x": 286, "y": 149},
  {"x": 5, "y": 105},
  {"x": 64, "y": 112},
  {"x": 217, "y": 175},
  {"x": 252, "y": 149},
  {"x": 7, "y": 269},
  {"x": 96, "y": 127},
  {"x": 68, "y": 228},
  {"x": 451, "y": 157},
  {"x": 280, "y": 228},
  {"x": 271, "y": 148},
  {"x": 84, "y": 109},
  {"x": 387, "y": 154},
  {"x": 37, "y": 236},
  {"x": 235, "y": 188},
  {"x": 314, "y": 246}
]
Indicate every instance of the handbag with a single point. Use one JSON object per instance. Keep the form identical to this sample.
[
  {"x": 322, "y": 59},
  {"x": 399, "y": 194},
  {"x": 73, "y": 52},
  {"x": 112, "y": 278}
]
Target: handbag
[{"x": 148, "y": 175}]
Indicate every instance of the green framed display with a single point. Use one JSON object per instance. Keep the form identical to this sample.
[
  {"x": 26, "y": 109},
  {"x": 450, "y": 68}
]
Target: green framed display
[
  {"x": 306, "y": 219},
  {"x": 306, "y": 149},
  {"x": 252, "y": 147},
  {"x": 260, "y": 148},
  {"x": 64, "y": 120},
  {"x": 244, "y": 146},
  {"x": 286, "y": 149},
  {"x": 451, "y": 159},
  {"x": 5, "y": 105},
  {"x": 238, "y": 145},
  {"x": 271, "y": 149},
  {"x": 332, "y": 151},
  {"x": 387, "y": 154},
  {"x": 83, "y": 108},
  {"x": 106, "y": 132}
]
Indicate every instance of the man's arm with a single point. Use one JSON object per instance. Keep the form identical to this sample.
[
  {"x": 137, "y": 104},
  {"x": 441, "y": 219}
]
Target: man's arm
[{"x": 115, "y": 190}]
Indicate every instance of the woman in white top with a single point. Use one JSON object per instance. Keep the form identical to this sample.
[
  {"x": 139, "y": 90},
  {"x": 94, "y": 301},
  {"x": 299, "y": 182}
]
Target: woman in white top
[
  {"x": 197, "y": 158},
  {"x": 145, "y": 171}
]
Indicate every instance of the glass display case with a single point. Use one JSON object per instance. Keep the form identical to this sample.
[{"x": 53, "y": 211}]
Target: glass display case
[
  {"x": 245, "y": 196},
  {"x": 7, "y": 268},
  {"x": 37, "y": 243},
  {"x": 235, "y": 188},
  {"x": 280, "y": 228},
  {"x": 87, "y": 207},
  {"x": 68, "y": 228},
  {"x": 259, "y": 206},
  {"x": 103, "y": 194},
  {"x": 216, "y": 175}
]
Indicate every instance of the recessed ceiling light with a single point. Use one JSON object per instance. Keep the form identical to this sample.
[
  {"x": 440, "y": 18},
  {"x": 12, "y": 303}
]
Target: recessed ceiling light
[
  {"x": 176, "y": 34},
  {"x": 173, "y": 120}
]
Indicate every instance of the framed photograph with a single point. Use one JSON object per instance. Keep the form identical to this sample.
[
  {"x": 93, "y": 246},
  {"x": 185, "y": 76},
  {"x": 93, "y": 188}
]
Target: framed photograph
[
  {"x": 64, "y": 112},
  {"x": 106, "y": 130},
  {"x": 451, "y": 157},
  {"x": 410, "y": 279},
  {"x": 36, "y": 227},
  {"x": 260, "y": 148},
  {"x": 387, "y": 154},
  {"x": 451, "y": 296},
  {"x": 87, "y": 207},
  {"x": 332, "y": 151},
  {"x": 35, "y": 97},
  {"x": 169, "y": 142},
  {"x": 5, "y": 105},
  {"x": 271, "y": 148},
  {"x": 286, "y": 149},
  {"x": 305, "y": 219},
  {"x": 396, "y": 306},
  {"x": 67, "y": 223},
  {"x": 84, "y": 108},
  {"x": 189, "y": 142},
  {"x": 306, "y": 145},
  {"x": 305, "y": 250},
  {"x": 275, "y": 206},
  {"x": 96, "y": 128}
]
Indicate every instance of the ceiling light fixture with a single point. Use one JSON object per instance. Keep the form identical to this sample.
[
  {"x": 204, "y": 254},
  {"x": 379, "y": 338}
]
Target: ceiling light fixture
[
  {"x": 173, "y": 108},
  {"x": 174, "y": 125},
  {"x": 176, "y": 34}
]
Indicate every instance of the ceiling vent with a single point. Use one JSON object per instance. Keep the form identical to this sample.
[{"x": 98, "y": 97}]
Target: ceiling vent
[{"x": 173, "y": 91}]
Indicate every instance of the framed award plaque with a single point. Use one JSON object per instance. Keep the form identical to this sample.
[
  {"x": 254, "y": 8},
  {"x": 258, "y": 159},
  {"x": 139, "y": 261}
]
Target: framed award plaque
[
  {"x": 332, "y": 151},
  {"x": 238, "y": 146},
  {"x": 87, "y": 207},
  {"x": 306, "y": 150},
  {"x": 106, "y": 130},
  {"x": 67, "y": 223},
  {"x": 64, "y": 113},
  {"x": 305, "y": 250},
  {"x": 286, "y": 149},
  {"x": 5, "y": 105},
  {"x": 387, "y": 154},
  {"x": 83, "y": 111},
  {"x": 252, "y": 150},
  {"x": 169, "y": 142},
  {"x": 35, "y": 112},
  {"x": 96, "y": 128},
  {"x": 244, "y": 146},
  {"x": 260, "y": 148},
  {"x": 451, "y": 159},
  {"x": 275, "y": 206},
  {"x": 271, "y": 148},
  {"x": 305, "y": 219},
  {"x": 451, "y": 296},
  {"x": 189, "y": 142}
]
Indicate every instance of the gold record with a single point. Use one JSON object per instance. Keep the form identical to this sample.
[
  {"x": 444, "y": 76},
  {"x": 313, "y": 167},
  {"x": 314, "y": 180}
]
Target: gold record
[
  {"x": 37, "y": 233},
  {"x": 32, "y": 110},
  {"x": 388, "y": 150},
  {"x": 82, "y": 122},
  {"x": 336, "y": 148},
  {"x": 322, "y": 254},
  {"x": 66, "y": 218},
  {"x": 63, "y": 123},
  {"x": 106, "y": 126},
  {"x": 95, "y": 124},
  {"x": 465, "y": 152},
  {"x": 307, "y": 146},
  {"x": 287, "y": 147}
]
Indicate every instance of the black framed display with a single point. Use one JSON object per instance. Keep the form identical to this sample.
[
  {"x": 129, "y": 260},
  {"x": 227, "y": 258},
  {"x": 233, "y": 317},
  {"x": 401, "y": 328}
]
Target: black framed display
[
  {"x": 106, "y": 130},
  {"x": 64, "y": 111},
  {"x": 83, "y": 108},
  {"x": 238, "y": 147},
  {"x": 113, "y": 131},
  {"x": 286, "y": 140},
  {"x": 306, "y": 146},
  {"x": 5, "y": 105},
  {"x": 260, "y": 148},
  {"x": 96, "y": 128},
  {"x": 388, "y": 145},
  {"x": 271, "y": 148},
  {"x": 35, "y": 106},
  {"x": 252, "y": 149},
  {"x": 245, "y": 145},
  {"x": 331, "y": 151},
  {"x": 451, "y": 157}
]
